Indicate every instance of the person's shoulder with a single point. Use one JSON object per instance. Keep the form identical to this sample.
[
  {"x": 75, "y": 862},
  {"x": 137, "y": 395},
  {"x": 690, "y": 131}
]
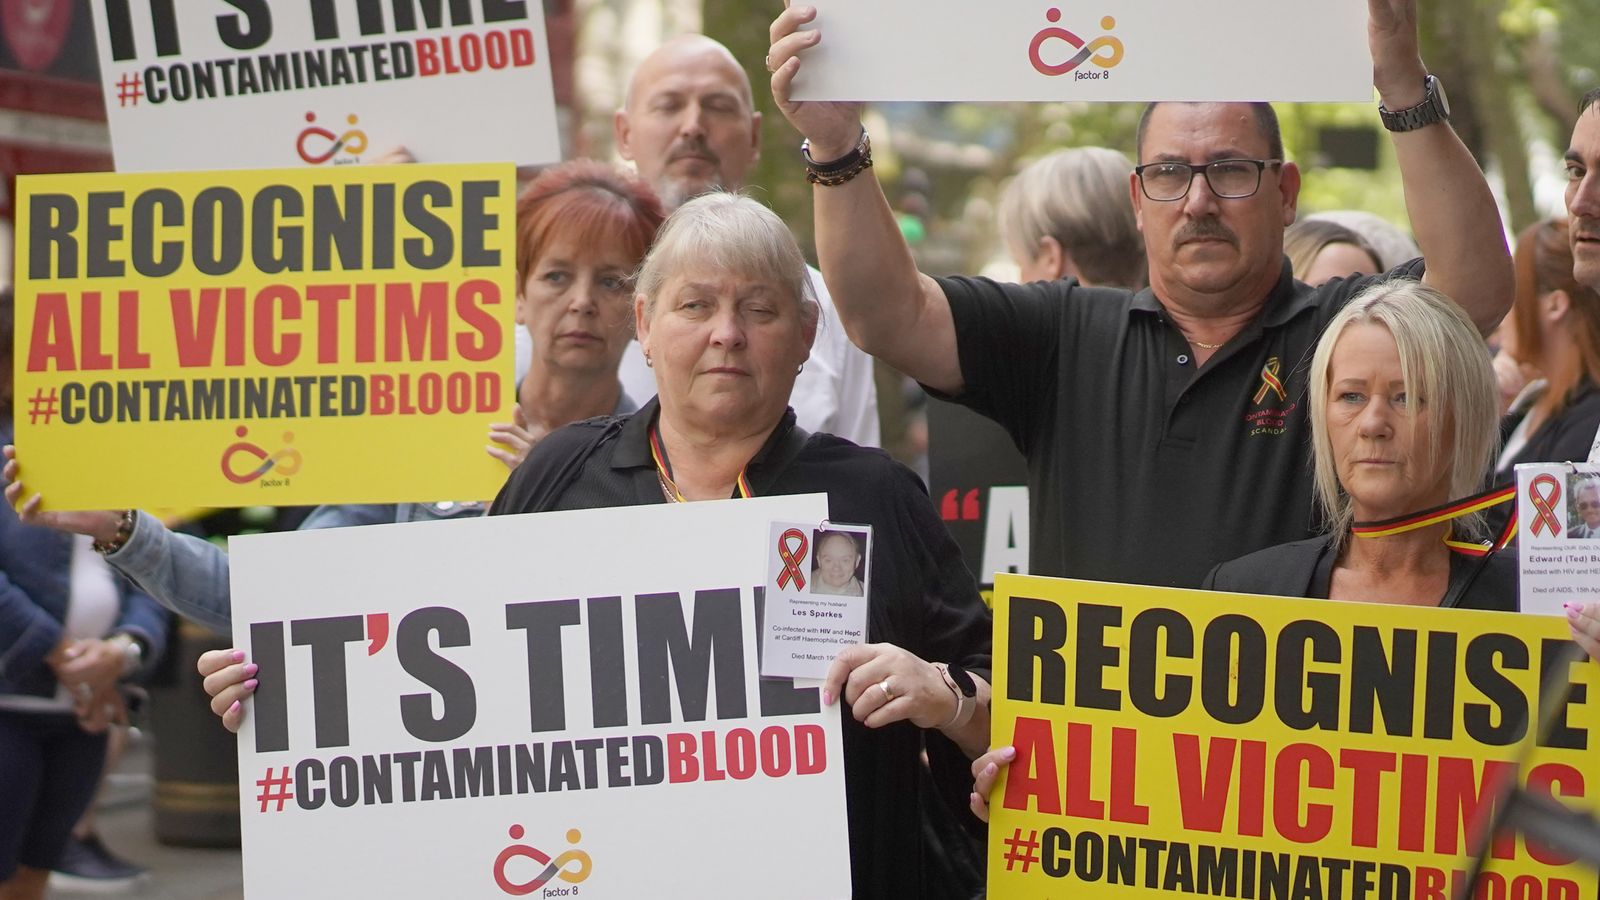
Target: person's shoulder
[
  {"x": 1058, "y": 290},
  {"x": 822, "y": 448},
  {"x": 850, "y": 466},
  {"x": 552, "y": 464},
  {"x": 573, "y": 439},
  {"x": 1283, "y": 569},
  {"x": 1582, "y": 413},
  {"x": 1336, "y": 292}
]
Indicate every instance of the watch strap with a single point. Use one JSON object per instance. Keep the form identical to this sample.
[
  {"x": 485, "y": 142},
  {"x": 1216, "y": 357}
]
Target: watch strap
[
  {"x": 1428, "y": 112},
  {"x": 966, "y": 704}
]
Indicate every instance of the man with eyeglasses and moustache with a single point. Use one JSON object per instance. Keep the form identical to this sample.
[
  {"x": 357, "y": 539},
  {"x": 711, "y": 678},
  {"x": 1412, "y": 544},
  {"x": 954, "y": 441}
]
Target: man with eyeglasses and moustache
[{"x": 1165, "y": 430}]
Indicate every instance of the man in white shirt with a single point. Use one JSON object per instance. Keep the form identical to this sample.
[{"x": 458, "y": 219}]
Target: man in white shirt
[{"x": 690, "y": 126}]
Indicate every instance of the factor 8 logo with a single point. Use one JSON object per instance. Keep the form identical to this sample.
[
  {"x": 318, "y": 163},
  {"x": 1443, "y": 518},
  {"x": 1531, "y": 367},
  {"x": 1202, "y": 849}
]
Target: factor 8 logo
[
  {"x": 316, "y": 145},
  {"x": 286, "y": 460},
  {"x": 1104, "y": 51},
  {"x": 572, "y": 866}
]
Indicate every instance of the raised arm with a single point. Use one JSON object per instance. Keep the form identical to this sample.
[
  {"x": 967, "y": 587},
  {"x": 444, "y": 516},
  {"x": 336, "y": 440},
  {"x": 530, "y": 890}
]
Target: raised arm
[
  {"x": 1452, "y": 212},
  {"x": 888, "y": 308}
]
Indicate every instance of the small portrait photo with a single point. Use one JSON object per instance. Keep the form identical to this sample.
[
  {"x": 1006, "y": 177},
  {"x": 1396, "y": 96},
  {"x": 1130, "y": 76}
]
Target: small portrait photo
[
  {"x": 1583, "y": 505},
  {"x": 838, "y": 563}
]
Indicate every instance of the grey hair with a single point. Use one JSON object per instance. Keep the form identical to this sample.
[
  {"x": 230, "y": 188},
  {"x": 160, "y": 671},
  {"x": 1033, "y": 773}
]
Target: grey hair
[
  {"x": 1442, "y": 361},
  {"x": 1080, "y": 198},
  {"x": 731, "y": 233}
]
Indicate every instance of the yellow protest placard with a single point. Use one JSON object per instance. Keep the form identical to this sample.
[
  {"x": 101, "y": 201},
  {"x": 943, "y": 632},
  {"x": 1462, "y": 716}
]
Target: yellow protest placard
[
  {"x": 1256, "y": 747},
  {"x": 340, "y": 335}
]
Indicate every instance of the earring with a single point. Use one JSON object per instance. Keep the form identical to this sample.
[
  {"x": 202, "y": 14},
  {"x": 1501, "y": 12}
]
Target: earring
[
  {"x": 800, "y": 368},
  {"x": 647, "y": 361}
]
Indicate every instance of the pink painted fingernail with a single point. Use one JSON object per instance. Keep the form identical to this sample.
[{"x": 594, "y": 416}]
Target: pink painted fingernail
[
  {"x": 827, "y": 698},
  {"x": 234, "y": 708},
  {"x": 238, "y": 656},
  {"x": 990, "y": 769},
  {"x": 250, "y": 685},
  {"x": 251, "y": 670},
  {"x": 1008, "y": 753}
]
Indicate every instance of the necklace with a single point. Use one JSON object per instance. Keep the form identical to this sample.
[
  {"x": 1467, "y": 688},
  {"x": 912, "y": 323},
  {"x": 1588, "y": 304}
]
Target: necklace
[
  {"x": 669, "y": 488},
  {"x": 1206, "y": 346}
]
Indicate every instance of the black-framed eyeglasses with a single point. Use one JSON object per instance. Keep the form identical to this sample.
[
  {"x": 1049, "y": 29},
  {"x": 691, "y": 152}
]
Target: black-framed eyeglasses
[{"x": 1230, "y": 179}]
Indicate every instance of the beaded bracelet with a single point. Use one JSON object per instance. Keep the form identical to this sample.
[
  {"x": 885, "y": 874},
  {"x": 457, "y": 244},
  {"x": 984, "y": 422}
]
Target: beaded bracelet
[
  {"x": 841, "y": 170},
  {"x": 124, "y": 531}
]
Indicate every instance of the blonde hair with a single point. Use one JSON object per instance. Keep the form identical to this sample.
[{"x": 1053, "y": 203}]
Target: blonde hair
[
  {"x": 732, "y": 233},
  {"x": 1444, "y": 363},
  {"x": 1305, "y": 240},
  {"x": 1080, "y": 198}
]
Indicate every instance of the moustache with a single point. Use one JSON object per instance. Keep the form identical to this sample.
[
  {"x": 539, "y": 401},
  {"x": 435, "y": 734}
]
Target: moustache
[
  {"x": 693, "y": 148},
  {"x": 1204, "y": 229}
]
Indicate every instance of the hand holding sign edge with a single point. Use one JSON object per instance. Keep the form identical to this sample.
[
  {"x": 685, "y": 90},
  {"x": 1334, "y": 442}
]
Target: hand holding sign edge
[{"x": 832, "y": 127}]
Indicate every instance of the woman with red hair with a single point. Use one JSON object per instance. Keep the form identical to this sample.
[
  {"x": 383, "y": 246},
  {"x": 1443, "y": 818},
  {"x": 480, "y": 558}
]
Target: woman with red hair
[
  {"x": 582, "y": 228},
  {"x": 1554, "y": 331}
]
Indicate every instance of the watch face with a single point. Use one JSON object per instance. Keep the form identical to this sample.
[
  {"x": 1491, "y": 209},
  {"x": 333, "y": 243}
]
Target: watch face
[
  {"x": 963, "y": 680},
  {"x": 1444, "y": 101}
]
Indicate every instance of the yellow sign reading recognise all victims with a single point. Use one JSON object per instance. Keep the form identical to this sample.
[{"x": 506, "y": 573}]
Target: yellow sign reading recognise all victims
[
  {"x": 1256, "y": 747},
  {"x": 339, "y": 335}
]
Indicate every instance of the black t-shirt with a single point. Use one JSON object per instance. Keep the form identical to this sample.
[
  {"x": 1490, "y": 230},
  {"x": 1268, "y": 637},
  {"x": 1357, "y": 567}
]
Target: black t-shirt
[
  {"x": 1142, "y": 469},
  {"x": 923, "y": 599}
]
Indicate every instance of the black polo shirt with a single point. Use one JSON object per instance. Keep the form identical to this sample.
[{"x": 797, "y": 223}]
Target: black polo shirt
[{"x": 1142, "y": 468}]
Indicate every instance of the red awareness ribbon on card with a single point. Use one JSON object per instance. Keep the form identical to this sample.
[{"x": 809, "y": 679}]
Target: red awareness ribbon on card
[
  {"x": 1544, "y": 505},
  {"x": 792, "y": 558}
]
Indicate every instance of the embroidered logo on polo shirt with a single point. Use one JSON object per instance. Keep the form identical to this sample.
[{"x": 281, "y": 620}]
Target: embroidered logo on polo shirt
[
  {"x": 1269, "y": 382},
  {"x": 1270, "y": 420}
]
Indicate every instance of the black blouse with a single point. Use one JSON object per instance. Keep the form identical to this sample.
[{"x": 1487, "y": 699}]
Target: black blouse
[
  {"x": 923, "y": 599},
  {"x": 1305, "y": 569}
]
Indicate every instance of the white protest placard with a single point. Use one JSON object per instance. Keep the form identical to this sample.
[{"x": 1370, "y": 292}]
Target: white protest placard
[
  {"x": 251, "y": 84},
  {"x": 1299, "y": 50},
  {"x": 1558, "y": 527},
  {"x": 551, "y": 705}
]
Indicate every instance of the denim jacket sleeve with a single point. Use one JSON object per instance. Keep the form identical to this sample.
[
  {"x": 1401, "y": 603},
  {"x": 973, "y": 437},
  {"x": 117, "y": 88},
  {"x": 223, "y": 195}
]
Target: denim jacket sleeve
[{"x": 183, "y": 573}]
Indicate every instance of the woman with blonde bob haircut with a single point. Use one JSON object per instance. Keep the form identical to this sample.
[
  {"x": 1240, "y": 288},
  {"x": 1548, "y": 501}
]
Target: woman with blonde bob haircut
[
  {"x": 1069, "y": 214},
  {"x": 1403, "y": 421}
]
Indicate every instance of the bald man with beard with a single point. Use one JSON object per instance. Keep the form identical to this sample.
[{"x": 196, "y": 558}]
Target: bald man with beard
[{"x": 689, "y": 124}]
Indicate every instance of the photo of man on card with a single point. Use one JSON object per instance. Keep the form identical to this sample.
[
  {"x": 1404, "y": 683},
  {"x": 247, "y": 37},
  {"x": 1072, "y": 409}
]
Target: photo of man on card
[
  {"x": 1585, "y": 507},
  {"x": 839, "y": 565}
]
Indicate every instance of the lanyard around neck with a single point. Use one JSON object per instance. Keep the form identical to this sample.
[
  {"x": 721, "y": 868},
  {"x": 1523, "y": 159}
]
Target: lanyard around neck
[
  {"x": 1444, "y": 513},
  {"x": 669, "y": 488}
]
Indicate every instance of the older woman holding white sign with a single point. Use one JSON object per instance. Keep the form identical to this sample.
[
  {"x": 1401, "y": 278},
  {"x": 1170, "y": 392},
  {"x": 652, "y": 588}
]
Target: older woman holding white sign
[{"x": 726, "y": 318}]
